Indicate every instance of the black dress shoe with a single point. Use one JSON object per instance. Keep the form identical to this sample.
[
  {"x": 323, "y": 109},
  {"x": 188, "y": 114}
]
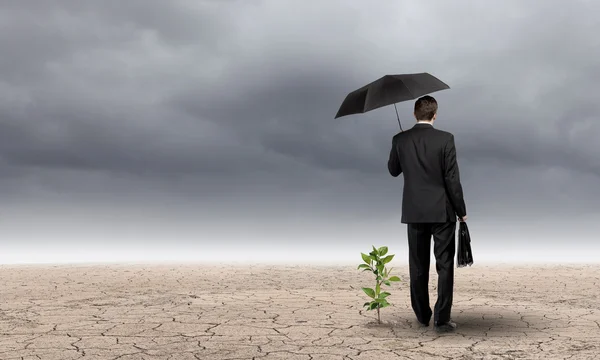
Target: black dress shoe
[
  {"x": 445, "y": 327},
  {"x": 423, "y": 324}
]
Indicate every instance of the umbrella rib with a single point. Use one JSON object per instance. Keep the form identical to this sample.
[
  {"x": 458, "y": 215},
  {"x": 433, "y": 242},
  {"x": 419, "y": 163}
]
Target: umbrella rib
[
  {"x": 364, "y": 109},
  {"x": 407, "y": 89}
]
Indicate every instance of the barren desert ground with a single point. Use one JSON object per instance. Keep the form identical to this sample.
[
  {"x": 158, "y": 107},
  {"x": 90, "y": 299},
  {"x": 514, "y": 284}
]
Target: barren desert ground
[{"x": 303, "y": 312}]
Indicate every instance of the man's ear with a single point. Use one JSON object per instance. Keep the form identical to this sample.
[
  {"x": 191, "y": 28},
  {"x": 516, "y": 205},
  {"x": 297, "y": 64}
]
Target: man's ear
[
  {"x": 434, "y": 116},
  {"x": 415, "y": 115}
]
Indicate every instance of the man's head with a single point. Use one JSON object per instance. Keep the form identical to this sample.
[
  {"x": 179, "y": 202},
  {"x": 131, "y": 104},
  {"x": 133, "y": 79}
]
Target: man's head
[{"x": 426, "y": 108}]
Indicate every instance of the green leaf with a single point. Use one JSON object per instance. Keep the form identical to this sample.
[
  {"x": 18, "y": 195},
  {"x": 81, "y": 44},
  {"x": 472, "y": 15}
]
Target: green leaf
[
  {"x": 373, "y": 305},
  {"x": 375, "y": 250},
  {"x": 379, "y": 278},
  {"x": 366, "y": 258},
  {"x": 367, "y": 269},
  {"x": 370, "y": 292},
  {"x": 377, "y": 289},
  {"x": 394, "y": 278},
  {"x": 385, "y": 304},
  {"x": 363, "y": 266},
  {"x": 384, "y": 294},
  {"x": 381, "y": 301},
  {"x": 370, "y": 305},
  {"x": 367, "y": 303},
  {"x": 387, "y": 282},
  {"x": 383, "y": 250},
  {"x": 387, "y": 259},
  {"x": 380, "y": 268}
]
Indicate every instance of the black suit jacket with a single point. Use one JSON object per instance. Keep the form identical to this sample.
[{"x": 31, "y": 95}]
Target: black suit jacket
[{"x": 432, "y": 189}]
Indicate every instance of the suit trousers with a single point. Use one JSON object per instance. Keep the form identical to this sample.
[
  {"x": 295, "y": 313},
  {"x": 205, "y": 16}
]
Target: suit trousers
[{"x": 419, "y": 248}]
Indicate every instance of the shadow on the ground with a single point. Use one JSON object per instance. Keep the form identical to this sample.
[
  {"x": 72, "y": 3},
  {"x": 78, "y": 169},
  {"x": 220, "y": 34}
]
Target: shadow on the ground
[
  {"x": 473, "y": 322},
  {"x": 478, "y": 322}
]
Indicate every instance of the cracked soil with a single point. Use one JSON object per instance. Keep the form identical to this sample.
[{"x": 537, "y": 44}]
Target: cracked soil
[{"x": 295, "y": 312}]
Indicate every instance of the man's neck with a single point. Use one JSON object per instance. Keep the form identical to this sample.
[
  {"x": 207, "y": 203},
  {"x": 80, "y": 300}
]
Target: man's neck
[{"x": 425, "y": 122}]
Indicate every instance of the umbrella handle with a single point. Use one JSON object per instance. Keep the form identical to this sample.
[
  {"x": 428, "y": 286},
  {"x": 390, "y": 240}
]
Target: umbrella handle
[{"x": 398, "y": 117}]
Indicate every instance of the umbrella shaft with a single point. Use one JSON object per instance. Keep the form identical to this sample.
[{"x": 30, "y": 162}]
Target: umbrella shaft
[{"x": 398, "y": 116}]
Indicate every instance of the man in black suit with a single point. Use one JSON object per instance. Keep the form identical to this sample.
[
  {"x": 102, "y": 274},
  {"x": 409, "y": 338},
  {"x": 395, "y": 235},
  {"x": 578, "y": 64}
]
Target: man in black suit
[{"x": 432, "y": 201}]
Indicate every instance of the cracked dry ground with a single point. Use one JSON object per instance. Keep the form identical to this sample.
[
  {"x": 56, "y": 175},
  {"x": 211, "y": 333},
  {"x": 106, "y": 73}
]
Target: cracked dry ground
[{"x": 289, "y": 312}]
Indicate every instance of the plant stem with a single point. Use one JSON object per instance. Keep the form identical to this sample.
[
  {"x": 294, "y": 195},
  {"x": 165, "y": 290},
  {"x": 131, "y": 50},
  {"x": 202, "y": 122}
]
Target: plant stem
[{"x": 378, "y": 305}]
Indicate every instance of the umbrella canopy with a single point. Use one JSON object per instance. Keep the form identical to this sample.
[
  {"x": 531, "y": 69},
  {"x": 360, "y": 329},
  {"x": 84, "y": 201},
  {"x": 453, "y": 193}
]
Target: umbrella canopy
[
  {"x": 464, "y": 255},
  {"x": 388, "y": 90}
]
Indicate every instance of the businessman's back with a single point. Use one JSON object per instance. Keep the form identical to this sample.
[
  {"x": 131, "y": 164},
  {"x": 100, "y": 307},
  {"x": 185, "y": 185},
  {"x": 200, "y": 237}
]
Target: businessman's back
[
  {"x": 431, "y": 201},
  {"x": 432, "y": 191}
]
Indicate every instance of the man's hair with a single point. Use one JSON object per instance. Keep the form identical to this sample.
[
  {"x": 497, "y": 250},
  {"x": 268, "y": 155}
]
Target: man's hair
[{"x": 425, "y": 108}]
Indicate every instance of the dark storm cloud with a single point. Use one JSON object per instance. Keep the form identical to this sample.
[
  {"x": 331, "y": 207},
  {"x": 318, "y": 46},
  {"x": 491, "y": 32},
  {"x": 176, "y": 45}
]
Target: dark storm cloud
[
  {"x": 523, "y": 98},
  {"x": 81, "y": 93},
  {"x": 235, "y": 100}
]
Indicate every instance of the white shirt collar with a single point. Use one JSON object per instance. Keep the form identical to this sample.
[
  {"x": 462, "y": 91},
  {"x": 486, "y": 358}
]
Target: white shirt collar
[{"x": 424, "y": 122}]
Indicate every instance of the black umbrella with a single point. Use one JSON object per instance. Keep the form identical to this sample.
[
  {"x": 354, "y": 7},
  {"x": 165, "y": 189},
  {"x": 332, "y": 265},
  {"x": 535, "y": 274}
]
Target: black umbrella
[
  {"x": 464, "y": 255},
  {"x": 388, "y": 90}
]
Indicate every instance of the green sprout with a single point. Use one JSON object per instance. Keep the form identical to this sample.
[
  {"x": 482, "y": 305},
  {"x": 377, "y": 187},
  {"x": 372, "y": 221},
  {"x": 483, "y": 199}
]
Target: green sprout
[{"x": 375, "y": 262}]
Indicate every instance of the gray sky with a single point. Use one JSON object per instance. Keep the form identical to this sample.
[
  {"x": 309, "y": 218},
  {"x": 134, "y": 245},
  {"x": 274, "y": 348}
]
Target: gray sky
[{"x": 169, "y": 126}]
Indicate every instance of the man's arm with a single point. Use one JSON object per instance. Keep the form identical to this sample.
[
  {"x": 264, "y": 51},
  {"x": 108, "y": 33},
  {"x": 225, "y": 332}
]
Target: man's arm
[
  {"x": 394, "y": 163},
  {"x": 452, "y": 179}
]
